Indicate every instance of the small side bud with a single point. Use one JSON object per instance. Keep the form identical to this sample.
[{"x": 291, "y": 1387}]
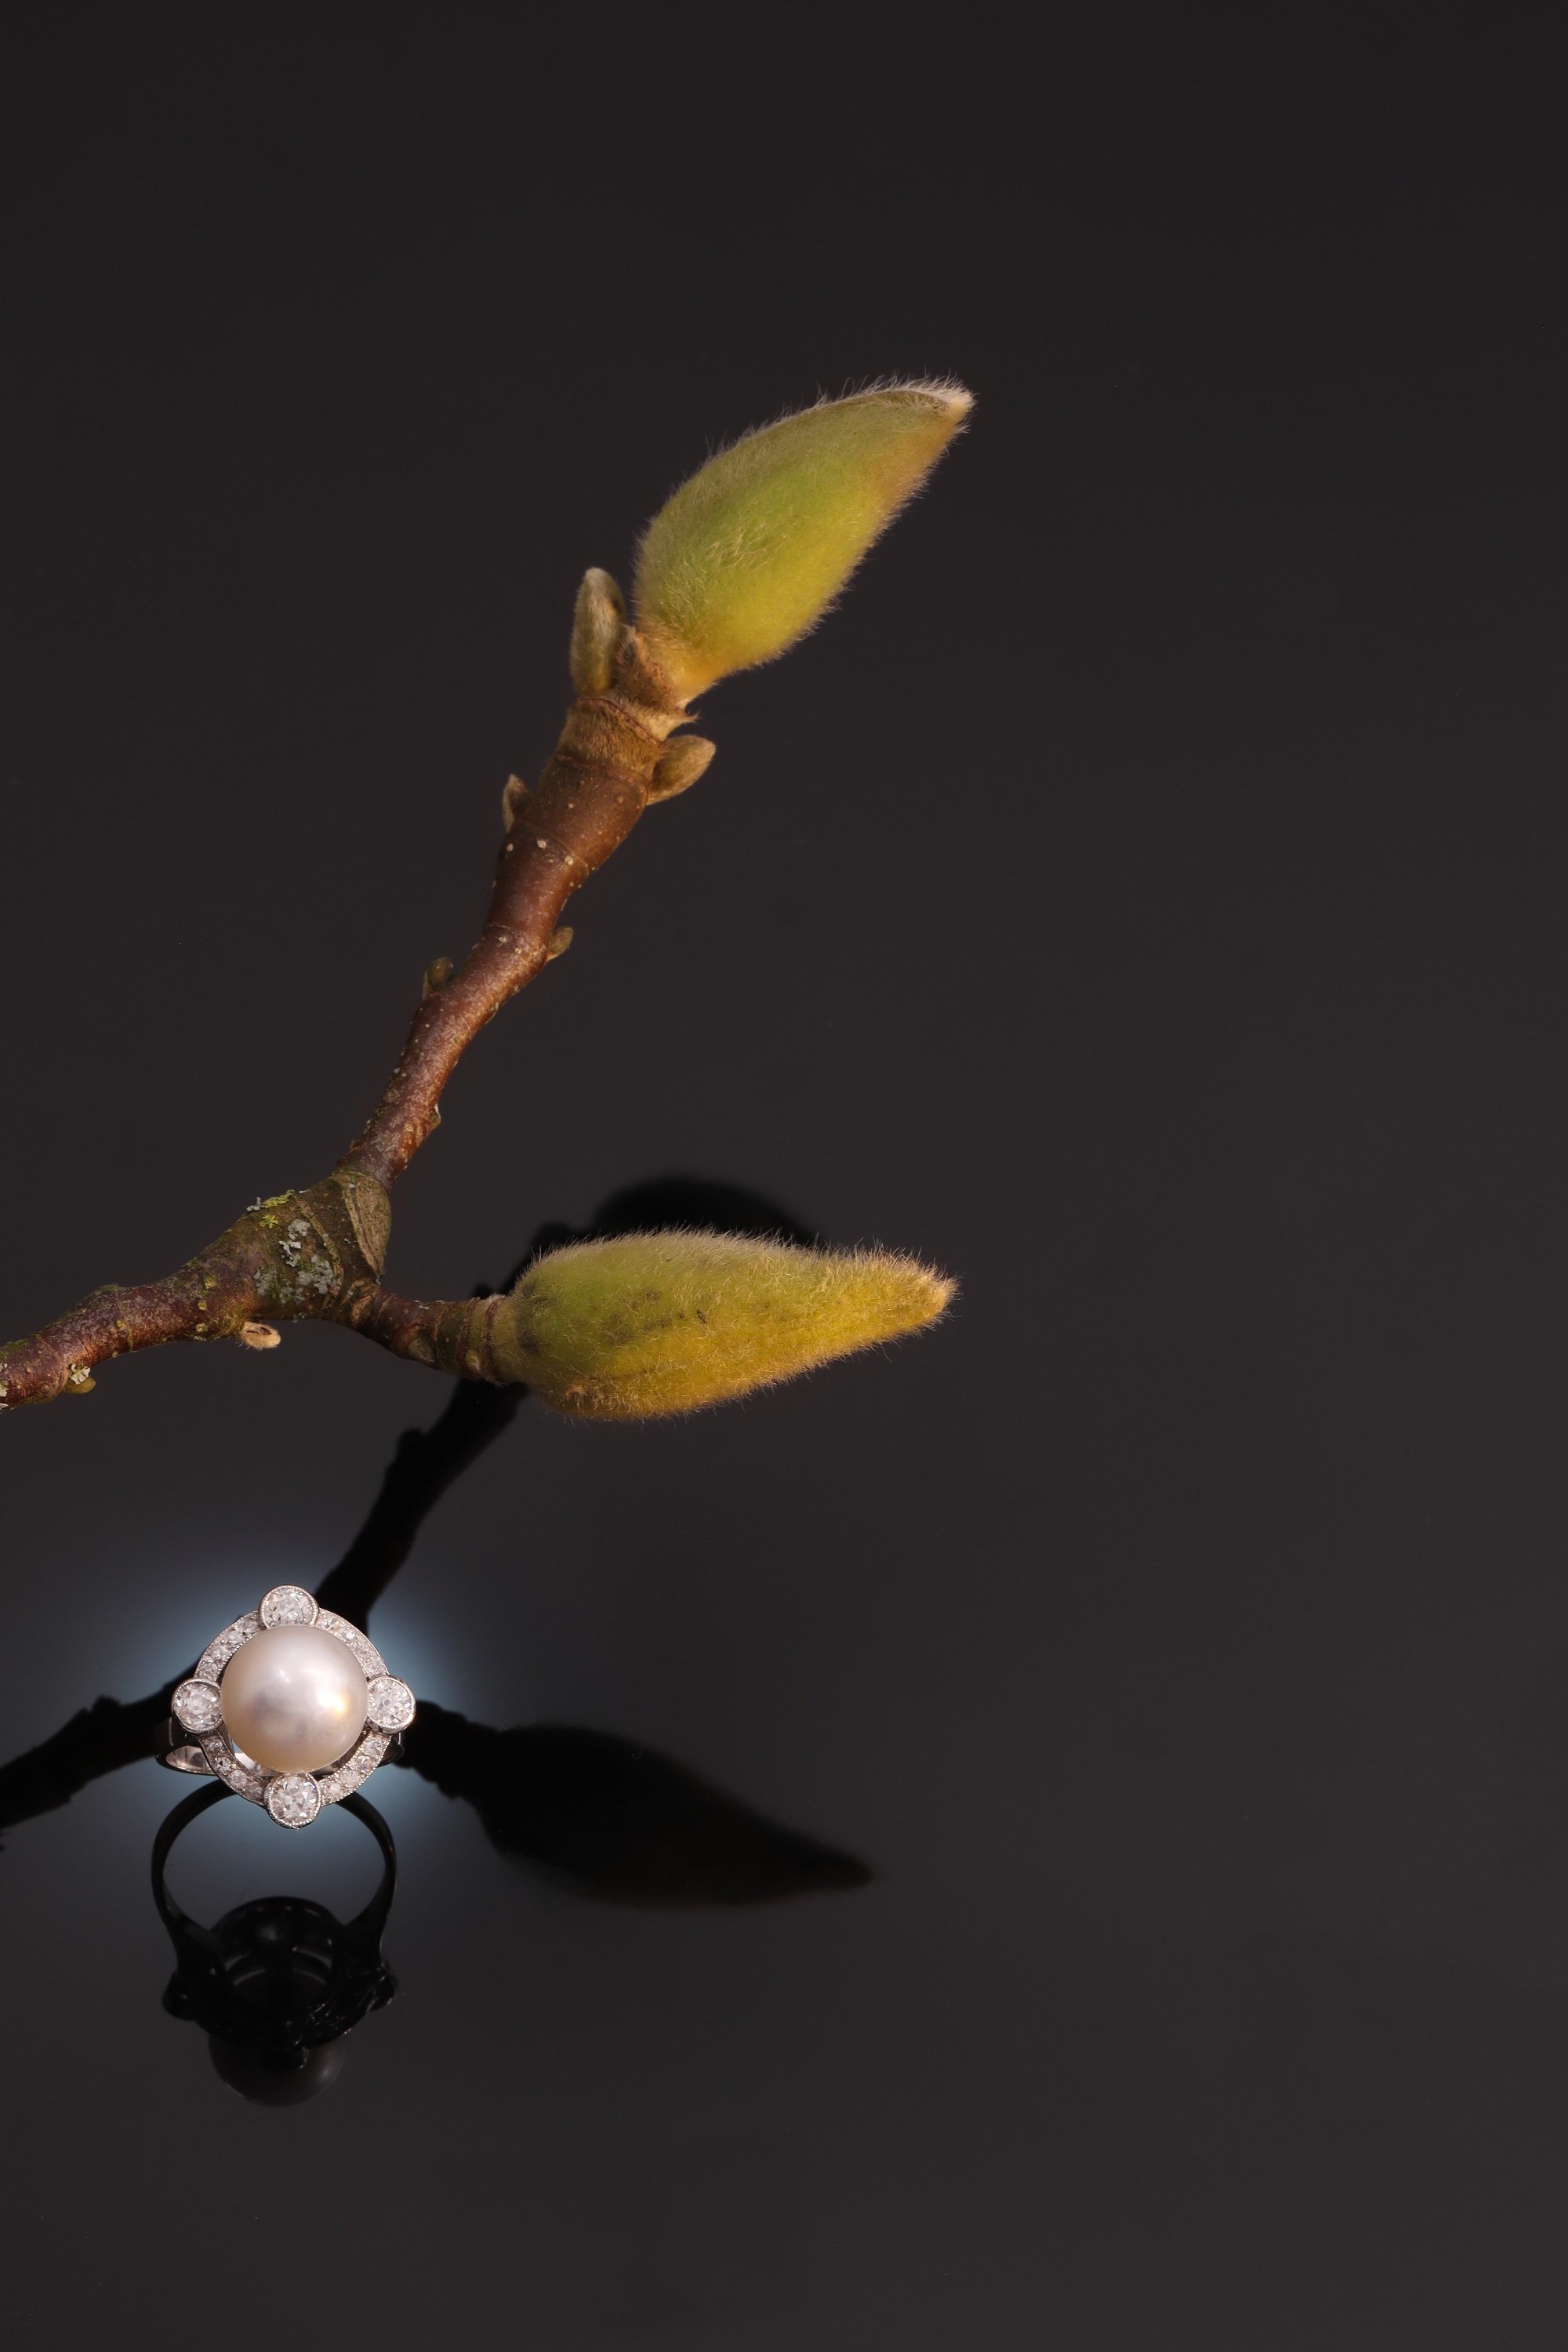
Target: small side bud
[
  {"x": 597, "y": 627},
  {"x": 437, "y": 974},
  {"x": 750, "y": 553},
  {"x": 515, "y": 794},
  {"x": 258, "y": 1335},
  {"x": 687, "y": 757},
  {"x": 560, "y": 940},
  {"x": 648, "y": 1324}
]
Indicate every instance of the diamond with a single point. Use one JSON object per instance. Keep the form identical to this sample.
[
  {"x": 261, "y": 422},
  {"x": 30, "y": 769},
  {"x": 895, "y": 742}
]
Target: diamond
[
  {"x": 224, "y": 1763},
  {"x": 390, "y": 1703},
  {"x": 222, "y": 1646},
  {"x": 357, "y": 1766},
  {"x": 367, "y": 1654},
  {"x": 287, "y": 1604},
  {"x": 293, "y": 1799},
  {"x": 198, "y": 1707}
]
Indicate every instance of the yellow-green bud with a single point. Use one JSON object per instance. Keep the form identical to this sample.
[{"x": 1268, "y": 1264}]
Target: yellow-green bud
[
  {"x": 646, "y": 1324},
  {"x": 748, "y": 554}
]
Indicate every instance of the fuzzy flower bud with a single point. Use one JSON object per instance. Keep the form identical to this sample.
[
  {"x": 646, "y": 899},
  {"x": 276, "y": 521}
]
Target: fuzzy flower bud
[
  {"x": 648, "y": 1323},
  {"x": 750, "y": 553}
]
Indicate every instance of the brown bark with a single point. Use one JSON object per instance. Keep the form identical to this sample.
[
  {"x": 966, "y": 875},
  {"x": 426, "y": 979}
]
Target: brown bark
[
  {"x": 318, "y": 1253},
  {"x": 597, "y": 785}
]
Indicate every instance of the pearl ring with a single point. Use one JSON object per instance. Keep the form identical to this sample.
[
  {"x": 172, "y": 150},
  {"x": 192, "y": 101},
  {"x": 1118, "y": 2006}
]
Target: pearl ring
[{"x": 290, "y": 1705}]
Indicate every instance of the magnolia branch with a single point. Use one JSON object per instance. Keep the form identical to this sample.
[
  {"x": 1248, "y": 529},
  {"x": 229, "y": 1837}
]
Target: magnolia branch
[
  {"x": 741, "y": 561},
  {"x": 318, "y": 1253}
]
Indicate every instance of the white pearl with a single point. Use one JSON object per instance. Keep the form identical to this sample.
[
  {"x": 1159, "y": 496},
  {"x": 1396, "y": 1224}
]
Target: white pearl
[{"x": 294, "y": 1698}]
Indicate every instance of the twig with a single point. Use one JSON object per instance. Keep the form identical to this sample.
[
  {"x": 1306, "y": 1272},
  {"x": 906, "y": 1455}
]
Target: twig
[{"x": 317, "y": 1254}]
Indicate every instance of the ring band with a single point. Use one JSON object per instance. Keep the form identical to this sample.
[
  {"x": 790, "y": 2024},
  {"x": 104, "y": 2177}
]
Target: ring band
[{"x": 291, "y": 1706}]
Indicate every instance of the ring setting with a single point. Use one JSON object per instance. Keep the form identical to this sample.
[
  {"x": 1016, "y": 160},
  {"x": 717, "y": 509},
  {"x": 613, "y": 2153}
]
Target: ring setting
[{"x": 291, "y": 1706}]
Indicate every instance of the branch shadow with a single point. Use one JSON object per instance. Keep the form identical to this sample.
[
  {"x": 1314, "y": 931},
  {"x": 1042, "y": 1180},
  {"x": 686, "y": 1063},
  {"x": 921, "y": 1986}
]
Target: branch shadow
[{"x": 599, "y": 1816}]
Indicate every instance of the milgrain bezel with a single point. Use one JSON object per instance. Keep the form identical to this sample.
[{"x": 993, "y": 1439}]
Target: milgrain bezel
[{"x": 283, "y": 1795}]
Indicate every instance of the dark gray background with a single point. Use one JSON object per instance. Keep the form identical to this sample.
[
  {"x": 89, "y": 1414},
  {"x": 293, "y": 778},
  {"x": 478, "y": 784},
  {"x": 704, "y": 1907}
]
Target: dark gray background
[{"x": 1146, "y": 898}]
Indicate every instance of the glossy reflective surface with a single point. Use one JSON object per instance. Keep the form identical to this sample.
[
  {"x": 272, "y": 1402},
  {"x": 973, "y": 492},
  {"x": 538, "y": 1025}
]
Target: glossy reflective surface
[
  {"x": 277, "y": 1984},
  {"x": 1048, "y": 1837}
]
